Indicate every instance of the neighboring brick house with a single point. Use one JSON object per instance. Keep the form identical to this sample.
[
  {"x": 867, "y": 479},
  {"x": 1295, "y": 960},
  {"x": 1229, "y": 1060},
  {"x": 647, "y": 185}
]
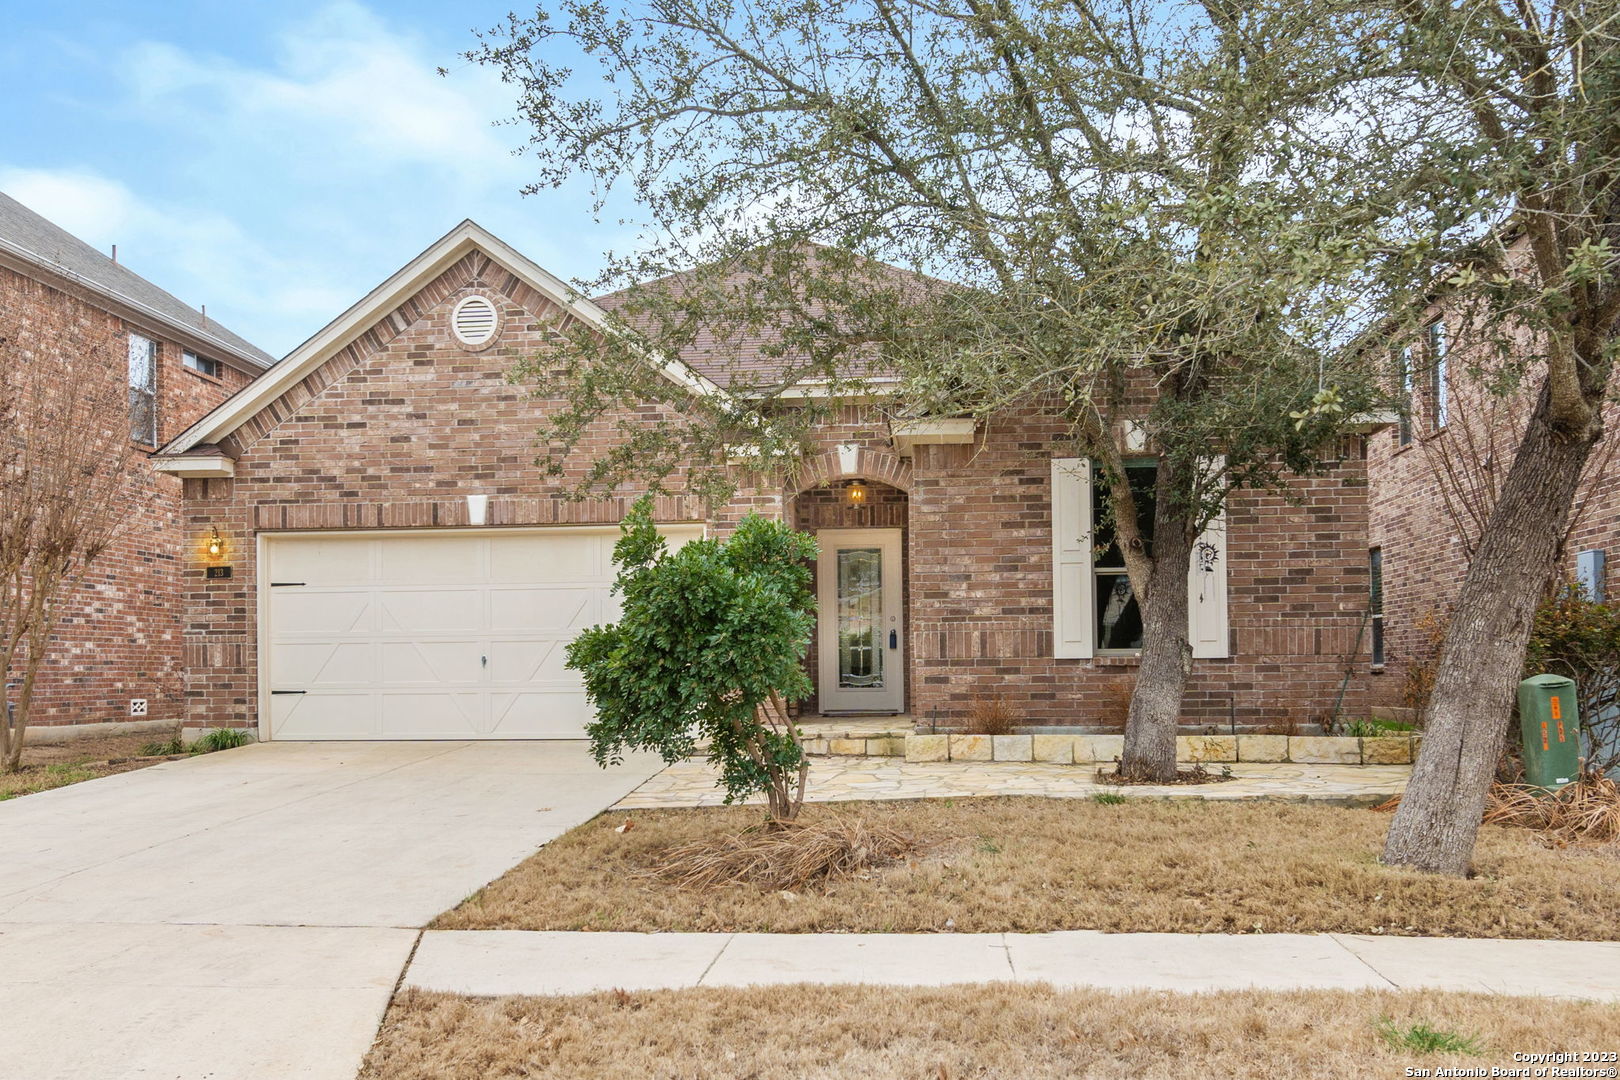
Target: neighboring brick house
[
  {"x": 1432, "y": 481},
  {"x": 400, "y": 568},
  {"x": 118, "y": 651}
]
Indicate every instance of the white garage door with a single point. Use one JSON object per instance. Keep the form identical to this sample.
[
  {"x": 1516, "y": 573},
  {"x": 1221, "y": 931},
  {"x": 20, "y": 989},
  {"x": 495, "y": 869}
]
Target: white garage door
[{"x": 433, "y": 634}]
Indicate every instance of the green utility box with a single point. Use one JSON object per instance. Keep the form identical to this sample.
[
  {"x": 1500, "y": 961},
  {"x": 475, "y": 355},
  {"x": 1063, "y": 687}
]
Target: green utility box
[{"x": 1551, "y": 730}]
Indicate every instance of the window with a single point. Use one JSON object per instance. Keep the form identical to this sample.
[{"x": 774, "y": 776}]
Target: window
[
  {"x": 1117, "y": 619},
  {"x": 143, "y": 418},
  {"x": 1403, "y": 371},
  {"x": 1093, "y": 609},
  {"x": 1375, "y": 585},
  {"x": 200, "y": 364},
  {"x": 1439, "y": 377}
]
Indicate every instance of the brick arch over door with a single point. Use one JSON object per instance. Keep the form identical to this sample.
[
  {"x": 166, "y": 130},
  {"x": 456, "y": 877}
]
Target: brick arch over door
[{"x": 853, "y": 462}]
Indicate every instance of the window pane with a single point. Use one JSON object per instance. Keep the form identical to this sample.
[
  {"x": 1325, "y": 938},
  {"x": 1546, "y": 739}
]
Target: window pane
[
  {"x": 1375, "y": 586},
  {"x": 1119, "y": 622},
  {"x": 142, "y": 390},
  {"x": 860, "y": 617},
  {"x": 1104, "y": 551},
  {"x": 142, "y": 363}
]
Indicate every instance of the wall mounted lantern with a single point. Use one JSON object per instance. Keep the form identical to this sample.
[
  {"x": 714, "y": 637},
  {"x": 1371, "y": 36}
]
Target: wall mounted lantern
[{"x": 855, "y": 494}]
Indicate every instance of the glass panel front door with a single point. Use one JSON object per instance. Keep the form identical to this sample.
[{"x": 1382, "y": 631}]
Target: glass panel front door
[
  {"x": 860, "y": 621},
  {"x": 860, "y": 617}
]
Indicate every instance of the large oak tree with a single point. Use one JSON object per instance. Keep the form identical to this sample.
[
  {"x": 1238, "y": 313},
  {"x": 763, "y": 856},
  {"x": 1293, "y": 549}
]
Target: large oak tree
[{"x": 1156, "y": 220}]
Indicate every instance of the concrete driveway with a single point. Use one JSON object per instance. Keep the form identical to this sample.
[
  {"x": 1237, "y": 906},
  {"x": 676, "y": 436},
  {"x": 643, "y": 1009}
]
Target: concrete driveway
[{"x": 248, "y": 913}]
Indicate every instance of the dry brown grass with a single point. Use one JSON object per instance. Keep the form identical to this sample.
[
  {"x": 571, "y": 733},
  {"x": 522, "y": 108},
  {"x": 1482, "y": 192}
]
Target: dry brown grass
[
  {"x": 1048, "y": 864},
  {"x": 53, "y": 765},
  {"x": 1000, "y": 1030},
  {"x": 1587, "y": 811},
  {"x": 990, "y": 716},
  {"x": 786, "y": 855}
]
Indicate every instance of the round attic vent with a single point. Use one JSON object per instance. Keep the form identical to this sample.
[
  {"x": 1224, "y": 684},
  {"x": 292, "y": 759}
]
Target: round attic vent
[{"x": 474, "y": 321}]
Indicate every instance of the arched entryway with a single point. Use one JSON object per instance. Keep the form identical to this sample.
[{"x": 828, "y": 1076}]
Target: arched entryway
[{"x": 860, "y": 659}]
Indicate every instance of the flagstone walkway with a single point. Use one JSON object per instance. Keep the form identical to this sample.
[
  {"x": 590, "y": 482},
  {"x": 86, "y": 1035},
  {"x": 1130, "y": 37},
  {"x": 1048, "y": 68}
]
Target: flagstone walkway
[{"x": 839, "y": 779}]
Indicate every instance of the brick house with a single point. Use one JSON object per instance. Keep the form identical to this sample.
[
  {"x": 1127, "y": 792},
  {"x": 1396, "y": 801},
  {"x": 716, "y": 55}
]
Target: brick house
[
  {"x": 1432, "y": 478},
  {"x": 118, "y": 653},
  {"x": 399, "y": 568}
]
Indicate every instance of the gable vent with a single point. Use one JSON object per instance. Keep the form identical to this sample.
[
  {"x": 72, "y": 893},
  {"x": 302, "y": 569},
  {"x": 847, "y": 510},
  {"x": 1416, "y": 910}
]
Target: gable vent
[{"x": 474, "y": 320}]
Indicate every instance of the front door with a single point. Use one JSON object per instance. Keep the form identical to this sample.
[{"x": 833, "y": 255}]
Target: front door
[{"x": 861, "y": 626}]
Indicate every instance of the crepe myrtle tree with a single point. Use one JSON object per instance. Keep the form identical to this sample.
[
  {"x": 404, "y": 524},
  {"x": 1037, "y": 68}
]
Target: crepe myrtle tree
[
  {"x": 1154, "y": 220},
  {"x": 1517, "y": 105},
  {"x": 66, "y": 463},
  {"x": 708, "y": 649}
]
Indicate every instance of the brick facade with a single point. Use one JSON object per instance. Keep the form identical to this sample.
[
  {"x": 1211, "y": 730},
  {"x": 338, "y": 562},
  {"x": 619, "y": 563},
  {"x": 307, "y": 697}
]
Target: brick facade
[
  {"x": 399, "y": 426},
  {"x": 1420, "y": 510},
  {"x": 122, "y": 637}
]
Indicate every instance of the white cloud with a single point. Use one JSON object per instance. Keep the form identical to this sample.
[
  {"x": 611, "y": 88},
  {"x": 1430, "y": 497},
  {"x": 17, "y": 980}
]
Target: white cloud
[{"x": 346, "y": 87}]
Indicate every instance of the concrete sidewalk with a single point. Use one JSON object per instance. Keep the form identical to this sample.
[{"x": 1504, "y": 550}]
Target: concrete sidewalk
[{"x": 496, "y": 962}]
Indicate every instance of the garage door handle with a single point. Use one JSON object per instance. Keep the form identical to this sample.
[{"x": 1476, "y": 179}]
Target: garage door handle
[
  {"x": 483, "y": 661},
  {"x": 283, "y": 584},
  {"x": 274, "y": 692}
]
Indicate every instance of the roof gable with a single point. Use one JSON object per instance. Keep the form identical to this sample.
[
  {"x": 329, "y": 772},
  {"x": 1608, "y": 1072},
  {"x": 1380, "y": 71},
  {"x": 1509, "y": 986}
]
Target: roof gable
[{"x": 380, "y": 316}]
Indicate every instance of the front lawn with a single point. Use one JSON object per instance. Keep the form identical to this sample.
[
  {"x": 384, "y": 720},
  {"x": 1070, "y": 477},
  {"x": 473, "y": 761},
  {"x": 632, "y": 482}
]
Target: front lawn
[
  {"x": 999, "y": 1030},
  {"x": 1029, "y": 865},
  {"x": 53, "y": 765}
]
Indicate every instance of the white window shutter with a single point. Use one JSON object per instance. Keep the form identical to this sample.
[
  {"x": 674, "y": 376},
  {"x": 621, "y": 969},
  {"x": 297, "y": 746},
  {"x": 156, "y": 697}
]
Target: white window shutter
[
  {"x": 1206, "y": 592},
  {"x": 1072, "y": 580}
]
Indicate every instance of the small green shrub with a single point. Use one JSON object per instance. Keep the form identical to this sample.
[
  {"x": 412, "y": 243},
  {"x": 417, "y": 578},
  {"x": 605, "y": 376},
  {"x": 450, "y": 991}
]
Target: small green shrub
[
  {"x": 222, "y": 739},
  {"x": 1373, "y": 727},
  {"x": 164, "y": 748},
  {"x": 708, "y": 649},
  {"x": 1108, "y": 798},
  {"x": 1420, "y": 1038}
]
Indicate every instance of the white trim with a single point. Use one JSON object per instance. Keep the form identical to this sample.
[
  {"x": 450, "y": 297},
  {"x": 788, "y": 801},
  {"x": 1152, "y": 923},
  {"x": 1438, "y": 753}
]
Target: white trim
[
  {"x": 1368, "y": 422},
  {"x": 908, "y": 434},
  {"x": 196, "y": 467},
  {"x": 467, "y": 237},
  {"x": 1207, "y": 626},
  {"x": 1072, "y": 577}
]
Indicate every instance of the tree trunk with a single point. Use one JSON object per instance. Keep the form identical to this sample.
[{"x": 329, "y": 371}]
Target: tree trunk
[
  {"x": 1150, "y": 726},
  {"x": 1483, "y": 653}
]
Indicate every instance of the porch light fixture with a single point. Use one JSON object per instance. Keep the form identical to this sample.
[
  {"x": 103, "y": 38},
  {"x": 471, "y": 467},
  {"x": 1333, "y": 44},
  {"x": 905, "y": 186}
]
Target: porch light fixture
[
  {"x": 855, "y": 493},
  {"x": 215, "y": 544}
]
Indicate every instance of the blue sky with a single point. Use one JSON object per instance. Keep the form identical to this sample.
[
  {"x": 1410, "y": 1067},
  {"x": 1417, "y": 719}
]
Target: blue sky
[{"x": 272, "y": 160}]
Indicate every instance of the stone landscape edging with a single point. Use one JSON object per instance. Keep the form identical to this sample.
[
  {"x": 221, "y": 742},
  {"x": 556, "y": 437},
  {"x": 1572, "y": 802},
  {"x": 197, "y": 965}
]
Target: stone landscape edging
[{"x": 1100, "y": 749}]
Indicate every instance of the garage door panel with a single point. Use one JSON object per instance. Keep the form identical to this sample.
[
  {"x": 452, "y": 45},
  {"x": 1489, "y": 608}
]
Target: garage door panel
[
  {"x": 531, "y": 661},
  {"x": 431, "y": 663},
  {"x": 539, "y": 714},
  {"x": 427, "y": 714},
  {"x": 454, "y": 634},
  {"x": 568, "y": 556},
  {"x": 323, "y": 663},
  {"x": 322, "y": 561},
  {"x": 545, "y": 609},
  {"x": 432, "y": 560},
  {"x": 419, "y": 611},
  {"x": 295, "y": 611},
  {"x": 324, "y": 715}
]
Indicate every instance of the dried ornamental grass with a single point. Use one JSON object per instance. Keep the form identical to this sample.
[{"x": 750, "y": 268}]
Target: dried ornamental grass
[
  {"x": 786, "y": 855},
  {"x": 1585, "y": 811}
]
